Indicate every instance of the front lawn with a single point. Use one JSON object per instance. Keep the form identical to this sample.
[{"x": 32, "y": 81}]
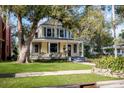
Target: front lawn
[
  {"x": 50, "y": 80},
  {"x": 12, "y": 67}
]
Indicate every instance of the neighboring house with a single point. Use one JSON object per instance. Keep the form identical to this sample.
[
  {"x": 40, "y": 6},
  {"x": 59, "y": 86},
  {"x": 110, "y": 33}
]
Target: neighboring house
[
  {"x": 110, "y": 50},
  {"x": 52, "y": 41},
  {"x": 5, "y": 41}
]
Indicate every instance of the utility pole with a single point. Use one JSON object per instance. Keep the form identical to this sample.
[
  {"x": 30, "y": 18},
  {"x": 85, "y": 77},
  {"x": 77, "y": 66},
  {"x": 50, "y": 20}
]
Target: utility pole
[{"x": 113, "y": 28}]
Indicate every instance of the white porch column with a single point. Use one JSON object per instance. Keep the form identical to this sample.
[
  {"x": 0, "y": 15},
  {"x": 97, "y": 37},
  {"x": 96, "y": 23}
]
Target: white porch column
[
  {"x": 66, "y": 49},
  {"x": 78, "y": 49},
  {"x": 49, "y": 47},
  {"x": 82, "y": 49}
]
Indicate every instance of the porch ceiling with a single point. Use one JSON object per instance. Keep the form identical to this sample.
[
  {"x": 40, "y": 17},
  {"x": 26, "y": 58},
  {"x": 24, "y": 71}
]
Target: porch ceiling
[{"x": 56, "y": 40}]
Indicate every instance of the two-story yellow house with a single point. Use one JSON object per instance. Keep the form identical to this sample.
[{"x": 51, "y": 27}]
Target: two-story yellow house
[{"x": 52, "y": 41}]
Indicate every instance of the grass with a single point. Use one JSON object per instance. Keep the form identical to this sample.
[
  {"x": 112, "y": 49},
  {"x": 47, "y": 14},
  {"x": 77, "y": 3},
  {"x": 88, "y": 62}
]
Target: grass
[
  {"x": 50, "y": 80},
  {"x": 12, "y": 67}
]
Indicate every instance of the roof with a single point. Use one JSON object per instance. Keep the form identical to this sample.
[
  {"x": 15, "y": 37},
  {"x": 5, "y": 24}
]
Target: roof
[
  {"x": 117, "y": 46},
  {"x": 50, "y": 21}
]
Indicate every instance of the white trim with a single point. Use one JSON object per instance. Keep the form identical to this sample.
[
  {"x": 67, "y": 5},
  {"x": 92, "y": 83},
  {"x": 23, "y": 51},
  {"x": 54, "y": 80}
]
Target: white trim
[
  {"x": 49, "y": 47},
  {"x": 55, "y": 40}
]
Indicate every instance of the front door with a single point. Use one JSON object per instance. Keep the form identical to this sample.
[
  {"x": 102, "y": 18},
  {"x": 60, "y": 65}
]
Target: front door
[{"x": 69, "y": 50}]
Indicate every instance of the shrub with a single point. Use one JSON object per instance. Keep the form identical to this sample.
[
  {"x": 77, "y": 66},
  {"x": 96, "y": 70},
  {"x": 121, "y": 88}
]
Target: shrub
[{"x": 112, "y": 63}]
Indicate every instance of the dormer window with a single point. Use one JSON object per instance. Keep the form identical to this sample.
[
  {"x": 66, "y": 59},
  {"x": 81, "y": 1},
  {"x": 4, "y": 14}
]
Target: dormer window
[
  {"x": 69, "y": 34},
  {"x": 44, "y": 31},
  {"x": 49, "y": 34},
  {"x": 57, "y": 32},
  {"x": 61, "y": 33},
  {"x": 72, "y": 35},
  {"x": 53, "y": 32},
  {"x": 65, "y": 34}
]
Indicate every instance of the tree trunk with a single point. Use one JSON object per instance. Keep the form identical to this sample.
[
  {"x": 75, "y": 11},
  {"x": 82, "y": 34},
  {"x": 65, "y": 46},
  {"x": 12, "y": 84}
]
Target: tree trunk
[
  {"x": 24, "y": 45},
  {"x": 23, "y": 48},
  {"x": 24, "y": 54},
  {"x": 20, "y": 35}
]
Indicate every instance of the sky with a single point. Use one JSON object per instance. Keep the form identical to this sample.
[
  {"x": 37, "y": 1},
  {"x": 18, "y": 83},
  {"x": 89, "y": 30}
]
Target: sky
[{"x": 108, "y": 17}]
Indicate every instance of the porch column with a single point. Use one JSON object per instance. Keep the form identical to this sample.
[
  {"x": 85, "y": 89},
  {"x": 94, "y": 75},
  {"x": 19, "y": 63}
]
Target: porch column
[
  {"x": 78, "y": 49},
  {"x": 82, "y": 49},
  {"x": 48, "y": 47},
  {"x": 66, "y": 49}
]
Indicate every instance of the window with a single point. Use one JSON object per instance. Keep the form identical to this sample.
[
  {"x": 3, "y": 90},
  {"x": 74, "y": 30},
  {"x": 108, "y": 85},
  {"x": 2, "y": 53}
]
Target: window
[
  {"x": 44, "y": 31},
  {"x": 72, "y": 35},
  {"x": 68, "y": 34},
  {"x": 36, "y": 48},
  {"x": 118, "y": 50},
  {"x": 49, "y": 34},
  {"x": 61, "y": 33},
  {"x": 53, "y": 32},
  {"x": 36, "y": 35},
  {"x": 75, "y": 48},
  {"x": 57, "y": 32},
  {"x": 123, "y": 51},
  {"x": 53, "y": 47},
  {"x": 65, "y": 34}
]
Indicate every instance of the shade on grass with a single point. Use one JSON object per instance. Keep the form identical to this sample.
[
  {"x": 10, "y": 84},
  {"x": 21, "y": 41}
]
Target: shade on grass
[
  {"x": 50, "y": 80},
  {"x": 40, "y": 67}
]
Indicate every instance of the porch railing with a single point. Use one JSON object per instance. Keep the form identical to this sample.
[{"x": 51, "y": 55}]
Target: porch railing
[{"x": 47, "y": 56}]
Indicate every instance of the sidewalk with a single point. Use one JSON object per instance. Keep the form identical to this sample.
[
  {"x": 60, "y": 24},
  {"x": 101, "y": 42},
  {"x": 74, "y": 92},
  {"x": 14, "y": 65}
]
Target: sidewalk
[
  {"x": 111, "y": 84},
  {"x": 99, "y": 84},
  {"x": 30, "y": 74},
  {"x": 86, "y": 63}
]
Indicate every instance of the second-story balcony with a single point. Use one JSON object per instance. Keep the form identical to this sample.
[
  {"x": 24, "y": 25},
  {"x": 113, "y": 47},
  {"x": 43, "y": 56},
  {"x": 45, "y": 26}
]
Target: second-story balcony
[{"x": 51, "y": 33}]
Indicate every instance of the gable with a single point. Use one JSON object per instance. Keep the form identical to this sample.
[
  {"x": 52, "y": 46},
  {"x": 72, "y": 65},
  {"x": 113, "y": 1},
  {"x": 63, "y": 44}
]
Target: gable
[{"x": 51, "y": 21}]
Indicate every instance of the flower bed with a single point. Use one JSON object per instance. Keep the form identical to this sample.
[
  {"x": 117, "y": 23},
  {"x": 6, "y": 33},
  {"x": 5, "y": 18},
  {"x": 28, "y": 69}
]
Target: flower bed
[
  {"x": 110, "y": 66},
  {"x": 108, "y": 72}
]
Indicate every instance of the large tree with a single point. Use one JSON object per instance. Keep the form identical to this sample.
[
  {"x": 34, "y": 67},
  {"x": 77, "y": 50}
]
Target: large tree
[
  {"x": 92, "y": 28},
  {"x": 33, "y": 14}
]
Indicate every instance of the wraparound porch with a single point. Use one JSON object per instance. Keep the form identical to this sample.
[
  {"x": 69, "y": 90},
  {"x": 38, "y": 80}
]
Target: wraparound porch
[{"x": 55, "y": 49}]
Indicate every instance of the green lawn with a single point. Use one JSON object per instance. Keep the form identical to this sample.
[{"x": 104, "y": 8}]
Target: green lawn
[
  {"x": 50, "y": 80},
  {"x": 11, "y": 67}
]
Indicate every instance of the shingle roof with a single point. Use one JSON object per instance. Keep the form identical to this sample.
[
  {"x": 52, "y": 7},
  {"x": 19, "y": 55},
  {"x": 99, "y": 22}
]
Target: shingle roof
[{"x": 50, "y": 21}]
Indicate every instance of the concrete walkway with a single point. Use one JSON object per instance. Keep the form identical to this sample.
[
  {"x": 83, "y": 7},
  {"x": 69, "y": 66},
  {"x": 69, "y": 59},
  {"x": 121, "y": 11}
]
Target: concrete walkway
[
  {"x": 68, "y": 72},
  {"x": 30, "y": 74},
  {"x": 86, "y": 63}
]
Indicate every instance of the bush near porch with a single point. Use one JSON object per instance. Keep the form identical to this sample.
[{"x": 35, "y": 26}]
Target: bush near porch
[{"x": 112, "y": 63}]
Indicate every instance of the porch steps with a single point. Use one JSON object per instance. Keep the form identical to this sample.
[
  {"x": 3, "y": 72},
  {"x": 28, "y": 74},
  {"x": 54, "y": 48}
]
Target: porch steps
[{"x": 76, "y": 59}]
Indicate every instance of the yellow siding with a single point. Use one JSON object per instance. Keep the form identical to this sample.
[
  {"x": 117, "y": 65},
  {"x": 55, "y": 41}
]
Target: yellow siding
[
  {"x": 62, "y": 46},
  {"x": 44, "y": 47}
]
